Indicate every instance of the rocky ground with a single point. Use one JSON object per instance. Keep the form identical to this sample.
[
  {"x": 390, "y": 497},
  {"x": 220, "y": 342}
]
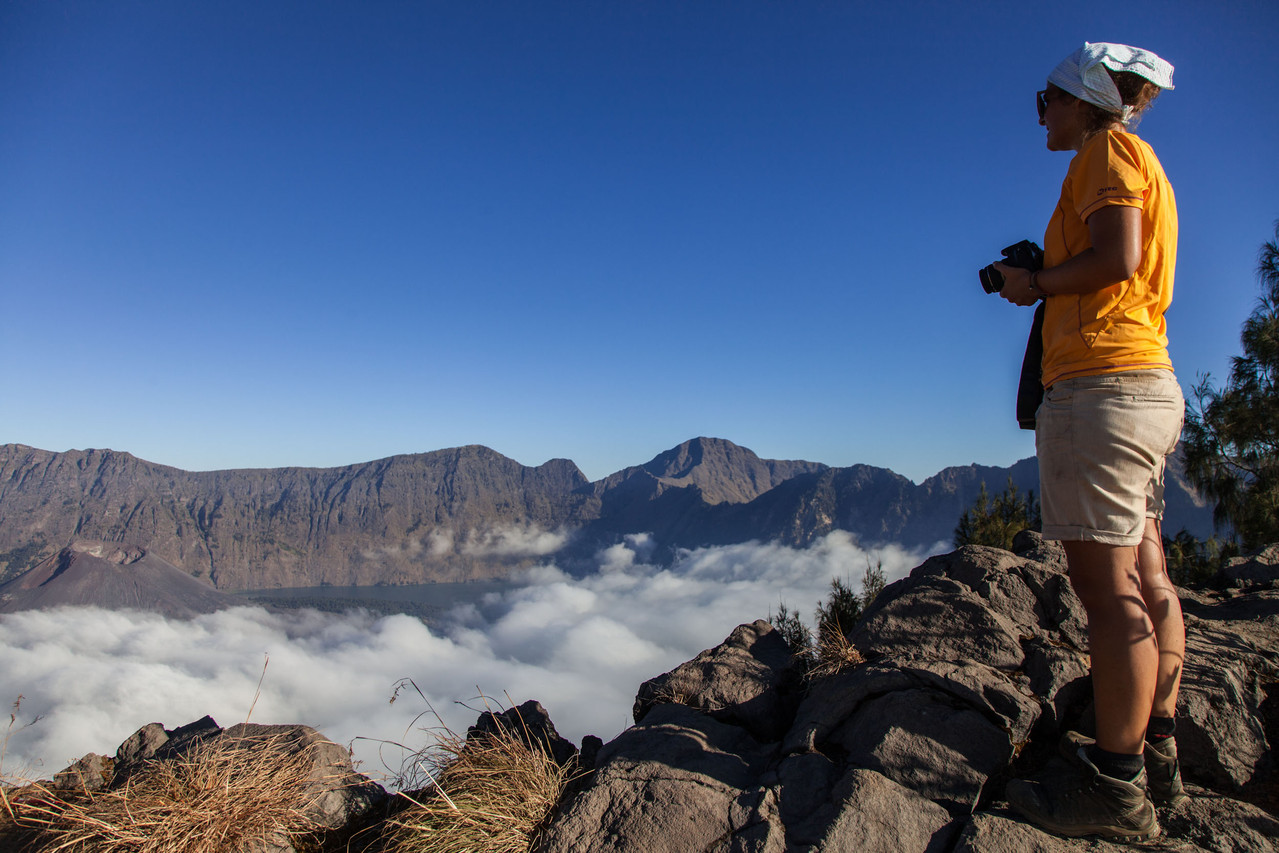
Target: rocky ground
[{"x": 973, "y": 667}]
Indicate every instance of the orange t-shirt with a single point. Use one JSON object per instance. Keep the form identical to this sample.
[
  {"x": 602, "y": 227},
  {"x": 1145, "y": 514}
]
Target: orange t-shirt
[{"x": 1120, "y": 327}]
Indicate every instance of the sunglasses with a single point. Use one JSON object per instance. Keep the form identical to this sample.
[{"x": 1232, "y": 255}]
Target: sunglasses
[{"x": 1042, "y": 100}]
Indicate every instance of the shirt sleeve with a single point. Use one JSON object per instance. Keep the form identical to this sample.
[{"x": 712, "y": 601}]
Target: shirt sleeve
[{"x": 1110, "y": 174}]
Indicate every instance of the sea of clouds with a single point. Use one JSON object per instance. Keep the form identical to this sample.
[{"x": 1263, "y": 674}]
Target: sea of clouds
[{"x": 89, "y": 677}]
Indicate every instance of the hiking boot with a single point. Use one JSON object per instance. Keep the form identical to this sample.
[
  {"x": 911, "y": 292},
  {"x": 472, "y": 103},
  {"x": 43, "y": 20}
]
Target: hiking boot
[
  {"x": 1074, "y": 798},
  {"x": 1164, "y": 772}
]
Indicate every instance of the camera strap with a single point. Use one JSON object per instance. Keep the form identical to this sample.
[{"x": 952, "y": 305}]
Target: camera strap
[{"x": 1030, "y": 389}]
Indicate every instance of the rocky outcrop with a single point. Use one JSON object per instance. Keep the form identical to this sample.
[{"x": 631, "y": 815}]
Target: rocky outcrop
[
  {"x": 975, "y": 665},
  {"x": 470, "y": 513},
  {"x": 531, "y": 724},
  {"x": 1254, "y": 570},
  {"x": 325, "y": 795},
  {"x": 750, "y": 680}
]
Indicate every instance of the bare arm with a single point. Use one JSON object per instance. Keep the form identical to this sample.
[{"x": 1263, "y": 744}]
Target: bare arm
[{"x": 1115, "y": 254}]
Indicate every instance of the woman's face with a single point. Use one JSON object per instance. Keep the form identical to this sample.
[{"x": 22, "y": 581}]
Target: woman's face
[{"x": 1060, "y": 113}]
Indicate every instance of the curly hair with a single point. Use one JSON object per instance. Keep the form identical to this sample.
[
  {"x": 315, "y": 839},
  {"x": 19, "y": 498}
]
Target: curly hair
[{"x": 1136, "y": 91}]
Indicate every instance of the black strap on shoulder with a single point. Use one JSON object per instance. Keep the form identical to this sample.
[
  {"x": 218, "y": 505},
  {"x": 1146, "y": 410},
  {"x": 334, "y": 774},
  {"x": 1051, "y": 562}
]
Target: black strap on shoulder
[{"x": 1030, "y": 390}]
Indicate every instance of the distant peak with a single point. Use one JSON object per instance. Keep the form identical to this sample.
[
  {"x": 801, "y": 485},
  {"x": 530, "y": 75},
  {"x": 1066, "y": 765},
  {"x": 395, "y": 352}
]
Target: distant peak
[
  {"x": 681, "y": 460},
  {"x": 120, "y": 553}
]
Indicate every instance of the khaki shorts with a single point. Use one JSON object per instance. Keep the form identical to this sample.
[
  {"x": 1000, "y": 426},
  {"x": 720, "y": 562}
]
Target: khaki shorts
[{"x": 1101, "y": 442}]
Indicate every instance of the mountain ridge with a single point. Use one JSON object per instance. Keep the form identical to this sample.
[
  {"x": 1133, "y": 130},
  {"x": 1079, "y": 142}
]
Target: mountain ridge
[{"x": 469, "y": 512}]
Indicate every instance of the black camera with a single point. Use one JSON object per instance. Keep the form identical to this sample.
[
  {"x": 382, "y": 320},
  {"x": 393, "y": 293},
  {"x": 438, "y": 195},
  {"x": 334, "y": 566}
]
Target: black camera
[{"x": 1024, "y": 255}]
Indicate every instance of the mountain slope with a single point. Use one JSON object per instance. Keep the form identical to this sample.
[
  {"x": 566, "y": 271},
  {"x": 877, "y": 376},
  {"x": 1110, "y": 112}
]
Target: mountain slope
[{"x": 111, "y": 575}]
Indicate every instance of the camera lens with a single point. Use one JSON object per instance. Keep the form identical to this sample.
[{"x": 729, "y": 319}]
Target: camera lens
[{"x": 992, "y": 280}]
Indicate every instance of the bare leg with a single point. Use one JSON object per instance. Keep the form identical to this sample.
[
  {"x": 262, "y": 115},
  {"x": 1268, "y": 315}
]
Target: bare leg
[
  {"x": 1165, "y": 612},
  {"x": 1121, "y": 639}
]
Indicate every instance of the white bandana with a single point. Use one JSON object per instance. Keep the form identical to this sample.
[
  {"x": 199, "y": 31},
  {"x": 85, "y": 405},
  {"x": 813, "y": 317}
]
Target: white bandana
[{"x": 1083, "y": 74}]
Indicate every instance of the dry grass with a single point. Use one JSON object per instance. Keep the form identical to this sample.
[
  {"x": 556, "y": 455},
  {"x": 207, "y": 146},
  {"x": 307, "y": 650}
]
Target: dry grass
[
  {"x": 219, "y": 796},
  {"x": 12, "y": 835},
  {"x": 492, "y": 794},
  {"x": 669, "y": 694},
  {"x": 18, "y": 835},
  {"x": 8, "y": 827},
  {"x": 835, "y": 653}
]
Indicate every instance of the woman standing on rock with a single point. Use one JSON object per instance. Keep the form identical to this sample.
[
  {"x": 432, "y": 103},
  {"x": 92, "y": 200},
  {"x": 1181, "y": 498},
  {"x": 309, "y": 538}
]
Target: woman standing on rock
[{"x": 1112, "y": 412}]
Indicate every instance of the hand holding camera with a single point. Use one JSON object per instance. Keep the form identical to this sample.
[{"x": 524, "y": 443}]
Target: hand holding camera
[
  {"x": 1024, "y": 255},
  {"x": 1030, "y": 391}
]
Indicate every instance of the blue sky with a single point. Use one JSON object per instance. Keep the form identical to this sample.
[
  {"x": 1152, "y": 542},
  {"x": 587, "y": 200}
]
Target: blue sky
[{"x": 258, "y": 234}]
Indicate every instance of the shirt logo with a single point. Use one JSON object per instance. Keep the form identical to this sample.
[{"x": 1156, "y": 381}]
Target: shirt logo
[{"x": 1105, "y": 190}]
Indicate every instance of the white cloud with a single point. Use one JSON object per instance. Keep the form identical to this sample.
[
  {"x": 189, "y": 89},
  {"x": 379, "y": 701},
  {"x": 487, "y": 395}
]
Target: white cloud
[
  {"x": 579, "y": 646},
  {"x": 440, "y": 542},
  {"x": 515, "y": 541}
]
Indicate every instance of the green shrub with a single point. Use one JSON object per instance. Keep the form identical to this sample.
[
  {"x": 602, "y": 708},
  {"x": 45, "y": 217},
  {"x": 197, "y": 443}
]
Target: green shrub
[
  {"x": 1231, "y": 437},
  {"x": 1195, "y": 562},
  {"x": 831, "y": 651},
  {"x": 995, "y": 521}
]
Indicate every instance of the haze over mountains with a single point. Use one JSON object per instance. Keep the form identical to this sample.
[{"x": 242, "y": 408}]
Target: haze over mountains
[{"x": 470, "y": 512}]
